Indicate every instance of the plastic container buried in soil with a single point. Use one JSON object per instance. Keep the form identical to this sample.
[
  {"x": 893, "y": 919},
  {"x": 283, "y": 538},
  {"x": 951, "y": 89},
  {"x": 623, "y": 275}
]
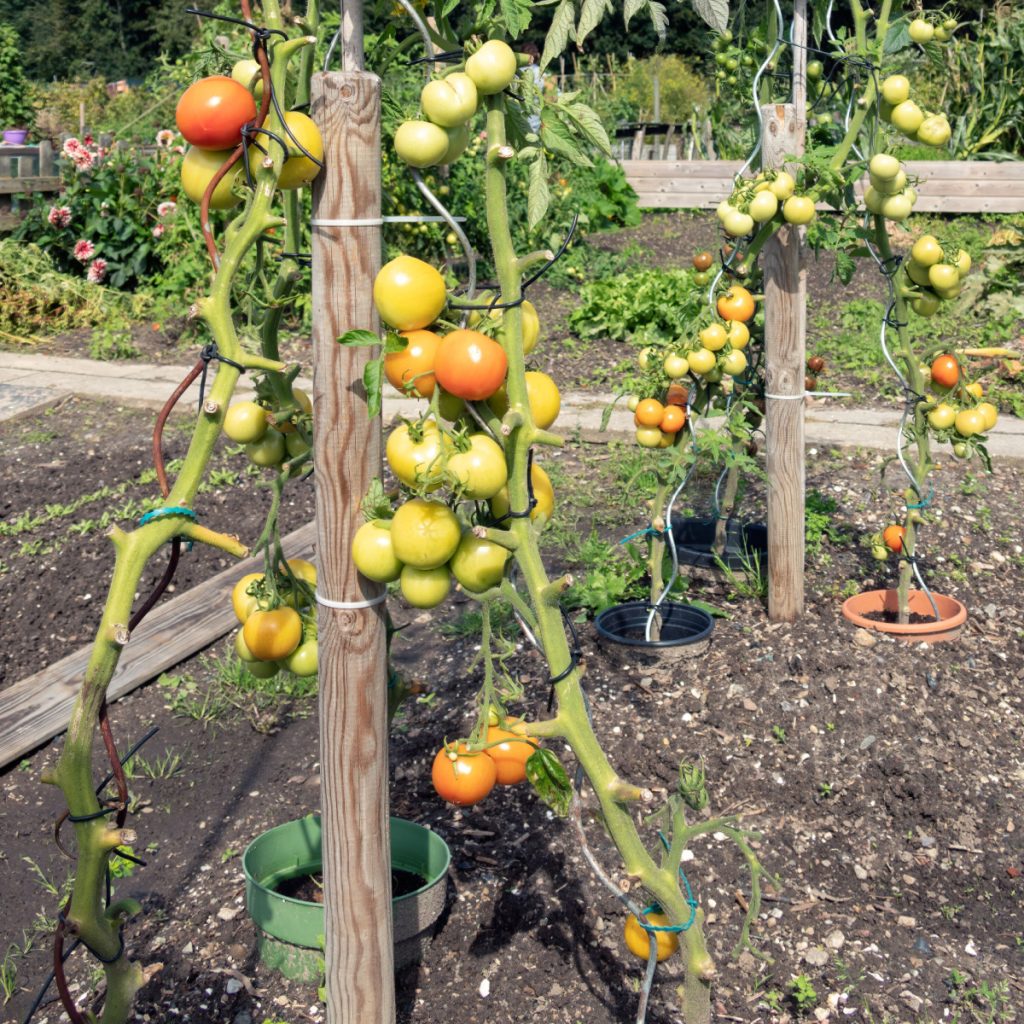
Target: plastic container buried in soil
[
  {"x": 680, "y": 629},
  {"x": 291, "y": 929},
  {"x": 878, "y": 609},
  {"x": 743, "y": 543}
]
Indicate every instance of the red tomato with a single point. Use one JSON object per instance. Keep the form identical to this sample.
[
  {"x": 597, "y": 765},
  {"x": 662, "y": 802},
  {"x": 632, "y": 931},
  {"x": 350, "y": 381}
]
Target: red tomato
[
  {"x": 212, "y": 111},
  {"x": 945, "y": 371},
  {"x": 461, "y": 777},
  {"x": 470, "y": 365}
]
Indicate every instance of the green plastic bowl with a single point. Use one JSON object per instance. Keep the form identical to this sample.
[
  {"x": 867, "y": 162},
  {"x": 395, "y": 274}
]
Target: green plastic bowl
[{"x": 291, "y": 930}]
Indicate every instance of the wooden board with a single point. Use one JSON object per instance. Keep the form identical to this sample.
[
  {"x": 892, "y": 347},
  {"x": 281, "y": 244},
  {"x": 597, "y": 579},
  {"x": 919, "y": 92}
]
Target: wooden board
[
  {"x": 13, "y": 186},
  {"x": 36, "y": 709}
]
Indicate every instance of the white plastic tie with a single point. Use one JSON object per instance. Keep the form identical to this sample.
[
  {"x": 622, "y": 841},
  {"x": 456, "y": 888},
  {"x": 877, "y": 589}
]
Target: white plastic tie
[
  {"x": 352, "y": 605},
  {"x": 376, "y": 222},
  {"x": 809, "y": 394}
]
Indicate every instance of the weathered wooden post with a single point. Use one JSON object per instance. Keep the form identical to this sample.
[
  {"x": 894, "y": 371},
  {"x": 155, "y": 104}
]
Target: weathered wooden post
[
  {"x": 785, "y": 292},
  {"x": 353, "y": 661}
]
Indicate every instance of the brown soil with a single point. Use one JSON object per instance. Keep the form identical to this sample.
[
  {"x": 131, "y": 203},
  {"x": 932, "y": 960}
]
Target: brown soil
[{"x": 885, "y": 779}]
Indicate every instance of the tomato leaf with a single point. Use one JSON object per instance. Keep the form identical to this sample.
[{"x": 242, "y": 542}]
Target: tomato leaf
[
  {"x": 563, "y": 28},
  {"x": 539, "y": 195},
  {"x": 373, "y": 381},
  {"x": 517, "y": 15},
  {"x": 394, "y": 342},
  {"x": 714, "y": 12},
  {"x": 376, "y": 504},
  {"x": 361, "y": 339},
  {"x": 549, "y": 779},
  {"x": 592, "y": 13}
]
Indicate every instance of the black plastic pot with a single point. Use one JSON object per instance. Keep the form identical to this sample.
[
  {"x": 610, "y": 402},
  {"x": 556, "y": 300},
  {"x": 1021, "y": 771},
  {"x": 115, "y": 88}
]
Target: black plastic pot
[
  {"x": 743, "y": 542},
  {"x": 684, "y": 631}
]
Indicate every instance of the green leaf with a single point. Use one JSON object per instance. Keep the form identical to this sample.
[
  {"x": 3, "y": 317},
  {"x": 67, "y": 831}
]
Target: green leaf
[
  {"x": 714, "y": 12},
  {"x": 539, "y": 195},
  {"x": 376, "y": 504},
  {"x": 590, "y": 127},
  {"x": 563, "y": 28},
  {"x": 590, "y": 17},
  {"x": 558, "y": 137},
  {"x": 517, "y": 15},
  {"x": 373, "y": 381},
  {"x": 549, "y": 779},
  {"x": 659, "y": 18},
  {"x": 361, "y": 339},
  {"x": 393, "y": 342}
]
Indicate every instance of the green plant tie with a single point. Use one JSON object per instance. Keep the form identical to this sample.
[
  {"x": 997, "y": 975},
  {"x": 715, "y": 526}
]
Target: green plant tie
[
  {"x": 648, "y": 531},
  {"x": 169, "y": 510},
  {"x": 924, "y": 502}
]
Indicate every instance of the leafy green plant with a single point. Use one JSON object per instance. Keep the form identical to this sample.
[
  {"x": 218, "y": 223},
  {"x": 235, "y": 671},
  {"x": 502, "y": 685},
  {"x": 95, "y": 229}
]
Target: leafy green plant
[
  {"x": 112, "y": 341},
  {"x": 819, "y": 524},
  {"x": 16, "y": 94},
  {"x": 803, "y": 993},
  {"x": 682, "y": 92}
]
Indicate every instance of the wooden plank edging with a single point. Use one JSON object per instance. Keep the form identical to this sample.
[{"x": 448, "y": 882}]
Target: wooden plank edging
[{"x": 37, "y": 708}]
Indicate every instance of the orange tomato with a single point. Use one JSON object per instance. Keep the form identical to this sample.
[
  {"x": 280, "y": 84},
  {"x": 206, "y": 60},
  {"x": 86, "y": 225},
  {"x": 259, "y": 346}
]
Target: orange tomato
[
  {"x": 510, "y": 755},
  {"x": 736, "y": 304},
  {"x": 461, "y": 777},
  {"x": 945, "y": 371},
  {"x": 649, "y": 413},
  {"x": 673, "y": 419},
  {"x": 410, "y": 371},
  {"x": 893, "y": 537}
]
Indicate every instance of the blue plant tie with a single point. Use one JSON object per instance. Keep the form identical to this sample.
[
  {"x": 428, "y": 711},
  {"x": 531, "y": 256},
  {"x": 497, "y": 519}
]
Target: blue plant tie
[
  {"x": 170, "y": 510},
  {"x": 648, "y": 531},
  {"x": 655, "y": 908},
  {"x": 924, "y": 502}
]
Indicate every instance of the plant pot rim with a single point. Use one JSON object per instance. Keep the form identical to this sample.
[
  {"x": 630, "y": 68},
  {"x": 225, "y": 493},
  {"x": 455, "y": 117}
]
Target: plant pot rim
[
  {"x": 701, "y": 633},
  {"x": 952, "y": 614}
]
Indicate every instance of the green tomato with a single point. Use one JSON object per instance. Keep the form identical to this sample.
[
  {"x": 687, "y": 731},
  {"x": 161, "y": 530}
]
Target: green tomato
[
  {"x": 458, "y": 139},
  {"x": 450, "y": 101},
  {"x": 373, "y": 553},
  {"x": 907, "y": 117},
  {"x": 492, "y": 67},
  {"x": 889, "y": 186},
  {"x": 197, "y": 171},
  {"x": 921, "y": 31},
  {"x": 763, "y": 206},
  {"x": 295, "y": 444},
  {"x": 873, "y": 200},
  {"x": 962, "y": 262},
  {"x": 262, "y": 669},
  {"x": 269, "y": 450},
  {"x": 942, "y": 416},
  {"x": 917, "y": 273},
  {"x": 701, "y": 278},
  {"x": 969, "y": 422},
  {"x": 897, "y": 207},
  {"x": 941, "y": 35},
  {"x": 738, "y": 224},
  {"x": 676, "y": 365},
  {"x": 934, "y": 131},
  {"x": 478, "y": 564},
  {"x": 425, "y": 588},
  {"x": 734, "y": 363},
  {"x": 926, "y": 304},
  {"x": 303, "y": 660},
  {"x": 896, "y": 90},
  {"x": 783, "y": 185},
  {"x": 421, "y": 143},
  {"x": 798, "y": 210},
  {"x": 245, "y": 422},
  {"x": 926, "y": 252},
  {"x": 884, "y": 166},
  {"x": 942, "y": 277},
  {"x": 481, "y": 470},
  {"x": 418, "y": 458},
  {"x": 814, "y": 70}
]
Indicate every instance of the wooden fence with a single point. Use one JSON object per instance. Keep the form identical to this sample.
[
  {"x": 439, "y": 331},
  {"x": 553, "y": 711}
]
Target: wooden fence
[
  {"x": 972, "y": 186},
  {"x": 24, "y": 170}
]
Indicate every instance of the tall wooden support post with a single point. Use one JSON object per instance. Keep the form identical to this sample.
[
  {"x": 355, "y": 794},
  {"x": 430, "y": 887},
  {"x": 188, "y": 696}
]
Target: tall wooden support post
[
  {"x": 785, "y": 293},
  {"x": 353, "y": 660}
]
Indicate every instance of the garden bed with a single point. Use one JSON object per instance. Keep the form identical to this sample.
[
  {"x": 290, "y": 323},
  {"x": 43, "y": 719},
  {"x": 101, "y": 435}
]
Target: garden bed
[{"x": 885, "y": 778}]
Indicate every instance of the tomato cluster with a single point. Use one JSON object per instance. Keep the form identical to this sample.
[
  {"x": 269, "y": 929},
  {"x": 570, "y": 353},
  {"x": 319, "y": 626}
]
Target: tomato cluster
[
  {"x": 899, "y": 110},
  {"x": 710, "y": 358},
  {"x": 278, "y": 620},
  {"x": 929, "y": 27},
  {"x": 889, "y": 193},
  {"x": 956, "y": 411},
  {"x": 771, "y": 195},
  {"x": 934, "y": 273},
  {"x": 464, "y": 776},
  {"x": 734, "y": 63},
  {"x": 271, "y": 435},
  {"x": 449, "y": 104},
  {"x": 213, "y": 114}
]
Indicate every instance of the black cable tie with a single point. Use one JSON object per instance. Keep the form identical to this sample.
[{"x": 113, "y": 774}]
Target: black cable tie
[
  {"x": 448, "y": 57},
  {"x": 490, "y": 306},
  {"x": 531, "y": 504},
  {"x": 299, "y": 257},
  {"x": 125, "y": 855},
  {"x": 575, "y": 655},
  {"x": 291, "y": 135},
  {"x": 102, "y": 959},
  {"x": 259, "y": 30},
  {"x": 78, "y": 819},
  {"x": 558, "y": 255},
  {"x": 208, "y": 354}
]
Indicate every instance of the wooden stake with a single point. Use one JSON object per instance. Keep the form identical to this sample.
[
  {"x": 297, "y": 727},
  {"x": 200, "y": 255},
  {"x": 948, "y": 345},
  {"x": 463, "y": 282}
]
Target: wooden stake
[
  {"x": 785, "y": 295},
  {"x": 347, "y": 455}
]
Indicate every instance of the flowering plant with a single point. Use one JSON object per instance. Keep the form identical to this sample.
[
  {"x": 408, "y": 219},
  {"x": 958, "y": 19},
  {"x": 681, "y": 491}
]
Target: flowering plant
[{"x": 114, "y": 209}]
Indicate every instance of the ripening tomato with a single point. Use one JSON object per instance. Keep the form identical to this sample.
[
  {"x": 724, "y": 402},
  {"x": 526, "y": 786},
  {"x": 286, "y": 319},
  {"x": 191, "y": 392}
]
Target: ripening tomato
[
  {"x": 197, "y": 171},
  {"x": 481, "y": 470},
  {"x": 374, "y": 554},
  {"x": 639, "y": 943},
  {"x": 274, "y": 634},
  {"x": 702, "y": 361},
  {"x": 893, "y": 537},
  {"x": 942, "y": 416},
  {"x": 425, "y": 533},
  {"x": 798, "y": 210},
  {"x": 714, "y": 337},
  {"x": 450, "y": 101},
  {"x": 736, "y": 304},
  {"x": 676, "y": 365},
  {"x": 734, "y": 363},
  {"x": 245, "y": 422},
  {"x": 242, "y": 601},
  {"x": 510, "y": 754},
  {"x": 298, "y": 168},
  {"x": 649, "y": 413},
  {"x": 739, "y": 334},
  {"x": 461, "y": 777},
  {"x": 945, "y": 371},
  {"x": 969, "y": 422},
  {"x": 408, "y": 293},
  {"x": 649, "y": 437},
  {"x": 411, "y": 370},
  {"x": 702, "y": 261},
  {"x": 989, "y": 415},
  {"x": 470, "y": 365},
  {"x": 212, "y": 112}
]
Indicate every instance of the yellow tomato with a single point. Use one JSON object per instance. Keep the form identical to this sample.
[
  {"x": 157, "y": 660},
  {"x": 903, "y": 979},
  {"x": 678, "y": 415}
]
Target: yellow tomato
[
  {"x": 408, "y": 293},
  {"x": 637, "y": 940}
]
